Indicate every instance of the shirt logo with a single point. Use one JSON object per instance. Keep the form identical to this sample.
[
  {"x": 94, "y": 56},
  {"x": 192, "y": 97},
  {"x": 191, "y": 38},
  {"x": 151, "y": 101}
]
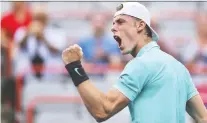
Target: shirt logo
[{"x": 76, "y": 70}]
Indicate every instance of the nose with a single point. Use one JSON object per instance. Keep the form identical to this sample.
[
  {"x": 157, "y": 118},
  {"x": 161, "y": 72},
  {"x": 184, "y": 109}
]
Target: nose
[{"x": 114, "y": 28}]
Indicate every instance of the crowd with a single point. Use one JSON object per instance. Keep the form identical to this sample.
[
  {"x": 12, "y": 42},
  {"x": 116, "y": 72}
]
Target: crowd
[{"x": 30, "y": 43}]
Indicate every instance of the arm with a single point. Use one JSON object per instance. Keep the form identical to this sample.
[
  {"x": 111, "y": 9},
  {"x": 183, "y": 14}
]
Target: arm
[
  {"x": 194, "y": 105},
  {"x": 101, "y": 106},
  {"x": 4, "y": 39},
  {"x": 4, "y": 36},
  {"x": 196, "y": 109}
]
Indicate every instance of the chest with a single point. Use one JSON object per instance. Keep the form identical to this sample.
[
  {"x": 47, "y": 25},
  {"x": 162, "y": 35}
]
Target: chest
[{"x": 12, "y": 24}]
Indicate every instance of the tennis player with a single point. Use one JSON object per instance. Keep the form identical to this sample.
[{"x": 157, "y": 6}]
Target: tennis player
[{"x": 155, "y": 86}]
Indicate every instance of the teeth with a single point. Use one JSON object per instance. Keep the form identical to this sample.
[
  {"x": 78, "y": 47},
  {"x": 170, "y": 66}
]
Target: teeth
[{"x": 116, "y": 38}]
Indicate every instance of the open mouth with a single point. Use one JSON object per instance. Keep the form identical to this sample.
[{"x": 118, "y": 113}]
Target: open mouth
[{"x": 118, "y": 39}]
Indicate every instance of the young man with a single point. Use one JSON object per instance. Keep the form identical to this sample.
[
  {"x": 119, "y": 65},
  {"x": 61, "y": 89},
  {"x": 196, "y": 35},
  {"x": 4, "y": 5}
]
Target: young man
[{"x": 154, "y": 85}]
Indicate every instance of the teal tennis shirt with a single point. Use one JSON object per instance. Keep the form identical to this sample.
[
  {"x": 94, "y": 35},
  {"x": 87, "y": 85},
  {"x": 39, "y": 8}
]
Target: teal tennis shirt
[{"x": 157, "y": 85}]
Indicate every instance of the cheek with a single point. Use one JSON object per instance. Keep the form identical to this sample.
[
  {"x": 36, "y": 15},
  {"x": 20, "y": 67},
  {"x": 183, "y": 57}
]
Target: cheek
[{"x": 130, "y": 33}]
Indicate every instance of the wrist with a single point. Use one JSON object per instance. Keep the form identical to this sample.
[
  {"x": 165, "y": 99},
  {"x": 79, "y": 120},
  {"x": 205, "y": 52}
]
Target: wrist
[{"x": 76, "y": 72}]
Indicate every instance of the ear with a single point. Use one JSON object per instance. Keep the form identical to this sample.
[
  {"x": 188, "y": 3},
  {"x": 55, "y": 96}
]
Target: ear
[{"x": 140, "y": 25}]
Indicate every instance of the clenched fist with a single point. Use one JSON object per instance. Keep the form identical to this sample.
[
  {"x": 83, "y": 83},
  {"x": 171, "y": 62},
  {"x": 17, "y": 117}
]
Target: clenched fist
[{"x": 71, "y": 54}]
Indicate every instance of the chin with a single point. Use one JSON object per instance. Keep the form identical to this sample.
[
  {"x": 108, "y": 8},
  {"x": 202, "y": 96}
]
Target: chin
[{"x": 125, "y": 52}]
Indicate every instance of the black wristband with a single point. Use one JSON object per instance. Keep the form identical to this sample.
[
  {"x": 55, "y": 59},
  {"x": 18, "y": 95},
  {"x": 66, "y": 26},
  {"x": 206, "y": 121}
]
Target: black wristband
[{"x": 76, "y": 72}]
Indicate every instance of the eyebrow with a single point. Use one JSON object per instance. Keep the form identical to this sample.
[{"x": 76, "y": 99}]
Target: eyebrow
[{"x": 118, "y": 20}]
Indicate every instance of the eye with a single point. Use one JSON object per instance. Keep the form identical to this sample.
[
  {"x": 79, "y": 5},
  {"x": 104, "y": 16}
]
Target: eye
[{"x": 120, "y": 22}]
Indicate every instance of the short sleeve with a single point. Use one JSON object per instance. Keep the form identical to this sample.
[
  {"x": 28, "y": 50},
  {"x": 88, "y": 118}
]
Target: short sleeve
[
  {"x": 133, "y": 78},
  {"x": 191, "y": 89},
  {"x": 4, "y": 22}
]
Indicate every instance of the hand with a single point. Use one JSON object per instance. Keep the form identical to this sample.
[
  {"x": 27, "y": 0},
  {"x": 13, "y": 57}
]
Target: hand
[{"x": 71, "y": 54}]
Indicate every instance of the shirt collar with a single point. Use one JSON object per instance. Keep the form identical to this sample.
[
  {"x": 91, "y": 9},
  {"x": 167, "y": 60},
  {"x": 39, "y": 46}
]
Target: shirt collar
[{"x": 147, "y": 47}]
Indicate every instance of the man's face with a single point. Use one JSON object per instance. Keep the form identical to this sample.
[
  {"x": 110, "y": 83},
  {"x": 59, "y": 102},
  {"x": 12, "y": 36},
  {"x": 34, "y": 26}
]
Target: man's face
[
  {"x": 18, "y": 5},
  {"x": 125, "y": 33},
  {"x": 41, "y": 17},
  {"x": 98, "y": 23}
]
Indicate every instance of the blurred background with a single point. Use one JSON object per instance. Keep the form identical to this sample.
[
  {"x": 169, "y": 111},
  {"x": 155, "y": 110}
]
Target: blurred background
[{"x": 35, "y": 88}]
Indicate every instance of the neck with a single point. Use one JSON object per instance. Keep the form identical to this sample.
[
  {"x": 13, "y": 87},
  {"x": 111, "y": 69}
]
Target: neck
[
  {"x": 98, "y": 35},
  {"x": 19, "y": 15},
  {"x": 20, "y": 10},
  {"x": 140, "y": 44}
]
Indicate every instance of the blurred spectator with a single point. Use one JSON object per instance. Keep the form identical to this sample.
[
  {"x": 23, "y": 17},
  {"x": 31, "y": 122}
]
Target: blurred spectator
[
  {"x": 99, "y": 48},
  {"x": 19, "y": 16},
  {"x": 7, "y": 114},
  {"x": 39, "y": 44},
  {"x": 197, "y": 48},
  {"x": 201, "y": 54},
  {"x": 162, "y": 42}
]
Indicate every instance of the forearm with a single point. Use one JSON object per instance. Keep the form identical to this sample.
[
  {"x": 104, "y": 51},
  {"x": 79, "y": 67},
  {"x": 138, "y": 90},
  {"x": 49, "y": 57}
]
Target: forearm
[
  {"x": 95, "y": 101},
  {"x": 101, "y": 106},
  {"x": 4, "y": 39}
]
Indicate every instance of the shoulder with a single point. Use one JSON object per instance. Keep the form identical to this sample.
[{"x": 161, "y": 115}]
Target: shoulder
[
  {"x": 134, "y": 62},
  {"x": 6, "y": 17},
  {"x": 85, "y": 40},
  {"x": 109, "y": 40},
  {"x": 135, "y": 65}
]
